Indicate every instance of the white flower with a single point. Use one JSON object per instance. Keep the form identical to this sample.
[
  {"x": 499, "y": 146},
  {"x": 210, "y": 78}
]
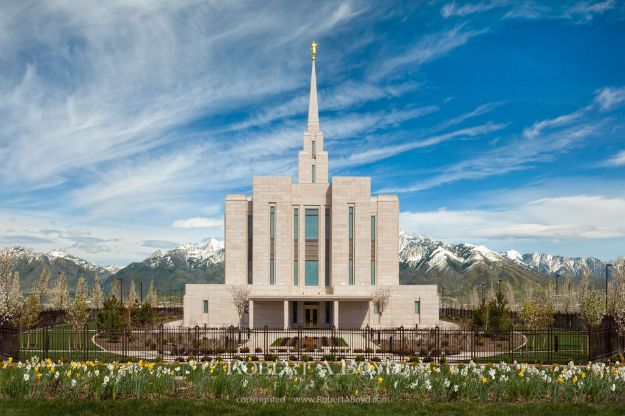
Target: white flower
[
  {"x": 613, "y": 387},
  {"x": 106, "y": 381},
  {"x": 455, "y": 388},
  {"x": 73, "y": 382},
  {"x": 96, "y": 372},
  {"x": 56, "y": 375},
  {"x": 446, "y": 383},
  {"x": 26, "y": 376}
]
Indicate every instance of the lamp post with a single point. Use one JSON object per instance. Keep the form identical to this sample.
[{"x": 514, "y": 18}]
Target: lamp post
[
  {"x": 606, "y": 286},
  {"x": 483, "y": 296},
  {"x": 141, "y": 292}
]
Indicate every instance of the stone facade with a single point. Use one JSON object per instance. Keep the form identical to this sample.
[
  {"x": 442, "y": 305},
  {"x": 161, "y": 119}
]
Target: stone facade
[{"x": 312, "y": 252}]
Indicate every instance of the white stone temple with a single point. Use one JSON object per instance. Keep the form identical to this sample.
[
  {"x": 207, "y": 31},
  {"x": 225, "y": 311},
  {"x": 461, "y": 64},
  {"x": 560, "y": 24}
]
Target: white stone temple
[{"x": 312, "y": 253}]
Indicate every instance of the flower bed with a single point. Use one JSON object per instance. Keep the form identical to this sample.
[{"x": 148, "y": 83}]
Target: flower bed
[{"x": 596, "y": 382}]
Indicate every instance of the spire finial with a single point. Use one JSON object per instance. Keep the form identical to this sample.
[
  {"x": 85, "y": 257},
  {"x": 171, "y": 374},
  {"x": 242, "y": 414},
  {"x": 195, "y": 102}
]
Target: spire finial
[
  {"x": 313, "y": 49},
  {"x": 313, "y": 110}
]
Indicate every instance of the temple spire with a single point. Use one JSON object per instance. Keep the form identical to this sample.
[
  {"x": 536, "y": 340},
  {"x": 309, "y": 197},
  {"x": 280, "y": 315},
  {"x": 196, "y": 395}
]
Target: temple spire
[{"x": 313, "y": 106}]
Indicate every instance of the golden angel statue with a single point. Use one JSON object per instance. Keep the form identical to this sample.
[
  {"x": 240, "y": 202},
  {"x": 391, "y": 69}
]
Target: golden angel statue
[{"x": 313, "y": 49}]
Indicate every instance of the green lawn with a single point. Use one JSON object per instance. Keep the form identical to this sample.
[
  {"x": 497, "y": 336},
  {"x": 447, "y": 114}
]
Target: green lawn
[{"x": 188, "y": 407}]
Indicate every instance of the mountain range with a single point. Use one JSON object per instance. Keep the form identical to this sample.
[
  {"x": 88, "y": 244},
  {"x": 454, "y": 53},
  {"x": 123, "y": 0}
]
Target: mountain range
[{"x": 457, "y": 267}]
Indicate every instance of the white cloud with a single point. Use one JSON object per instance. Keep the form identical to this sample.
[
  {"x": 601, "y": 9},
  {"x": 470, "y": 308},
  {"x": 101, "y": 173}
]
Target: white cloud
[
  {"x": 198, "y": 222},
  {"x": 537, "y": 128},
  {"x": 617, "y": 160},
  {"x": 452, "y": 9},
  {"x": 544, "y": 218},
  {"x": 608, "y": 98},
  {"x": 428, "y": 48}
]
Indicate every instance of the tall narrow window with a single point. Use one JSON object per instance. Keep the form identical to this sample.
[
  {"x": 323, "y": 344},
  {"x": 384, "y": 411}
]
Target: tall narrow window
[
  {"x": 327, "y": 234},
  {"x": 296, "y": 224},
  {"x": 272, "y": 245},
  {"x": 272, "y": 222},
  {"x": 351, "y": 223},
  {"x": 314, "y": 150},
  {"x": 373, "y": 228},
  {"x": 312, "y": 224},
  {"x": 250, "y": 246},
  {"x": 314, "y": 173},
  {"x": 295, "y": 273},
  {"x": 351, "y": 271},
  {"x": 417, "y": 307},
  {"x": 205, "y": 306},
  {"x": 312, "y": 276},
  {"x": 372, "y": 272}
]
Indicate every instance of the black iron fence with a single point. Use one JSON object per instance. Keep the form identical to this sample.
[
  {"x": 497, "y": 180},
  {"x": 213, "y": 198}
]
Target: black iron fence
[
  {"x": 572, "y": 321},
  {"x": 303, "y": 344}
]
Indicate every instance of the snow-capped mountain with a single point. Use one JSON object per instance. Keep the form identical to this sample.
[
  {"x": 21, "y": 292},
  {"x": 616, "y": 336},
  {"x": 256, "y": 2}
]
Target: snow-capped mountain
[
  {"x": 565, "y": 266},
  {"x": 29, "y": 264},
  {"x": 195, "y": 256},
  {"x": 172, "y": 269},
  {"x": 426, "y": 255}
]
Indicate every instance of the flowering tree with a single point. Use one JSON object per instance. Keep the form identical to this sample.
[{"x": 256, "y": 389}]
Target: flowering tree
[
  {"x": 240, "y": 295},
  {"x": 152, "y": 298},
  {"x": 510, "y": 296},
  {"x": 381, "y": 299},
  {"x": 10, "y": 293},
  {"x": 41, "y": 286},
  {"x": 132, "y": 294},
  {"x": 619, "y": 294},
  {"x": 78, "y": 310},
  {"x": 96, "y": 293},
  {"x": 28, "y": 315},
  {"x": 592, "y": 308},
  {"x": 61, "y": 293}
]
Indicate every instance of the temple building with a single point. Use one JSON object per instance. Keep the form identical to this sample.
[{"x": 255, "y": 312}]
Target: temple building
[{"x": 312, "y": 253}]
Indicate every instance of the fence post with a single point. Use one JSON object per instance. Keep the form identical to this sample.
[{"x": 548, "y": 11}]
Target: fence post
[
  {"x": 265, "y": 349},
  {"x": 401, "y": 336},
  {"x": 46, "y": 342},
  {"x": 160, "y": 340},
  {"x": 511, "y": 343},
  {"x": 589, "y": 343}
]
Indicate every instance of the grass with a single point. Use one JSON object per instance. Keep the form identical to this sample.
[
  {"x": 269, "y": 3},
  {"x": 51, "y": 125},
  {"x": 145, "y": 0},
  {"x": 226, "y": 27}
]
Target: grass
[{"x": 188, "y": 407}]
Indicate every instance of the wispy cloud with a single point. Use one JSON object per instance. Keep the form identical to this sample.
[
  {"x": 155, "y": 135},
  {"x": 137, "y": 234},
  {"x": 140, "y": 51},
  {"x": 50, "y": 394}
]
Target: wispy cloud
[
  {"x": 537, "y": 128},
  {"x": 582, "y": 12},
  {"x": 428, "y": 48},
  {"x": 544, "y": 218},
  {"x": 198, "y": 222},
  {"x": 376, "y": 153},
  {"x": 617, "y": 160},
  {"x": 453, "y": 9},
  {"x": 610, "y": 97}
]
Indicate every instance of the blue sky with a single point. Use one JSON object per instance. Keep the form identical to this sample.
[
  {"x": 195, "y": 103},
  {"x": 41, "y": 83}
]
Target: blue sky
[{"x": 124, "y": 124}]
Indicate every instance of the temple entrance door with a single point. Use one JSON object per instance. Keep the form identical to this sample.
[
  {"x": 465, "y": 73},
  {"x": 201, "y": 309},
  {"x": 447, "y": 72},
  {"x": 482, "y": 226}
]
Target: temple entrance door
[{"x": 311, "y": 315}]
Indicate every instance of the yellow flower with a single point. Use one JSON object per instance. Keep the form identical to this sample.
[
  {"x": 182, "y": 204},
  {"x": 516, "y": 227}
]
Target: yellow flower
[
  {"x": 68, "y": 373},
  {"x": 574, "y": 379},
  {"x": 356, "y": 392},
  {"x": 484, "y": 380},
  {"x": 10, "y": 360},
  {"x": 583, "y": 375},
  {"x": 39, "y": 375},
  {"x": 521, "y": 374},
  {"x": 140, "y": 363},
  {"x": 77, "y": 375},
  {"x": 560, "y": 380},
  {"x": 380, "y": 380}
]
